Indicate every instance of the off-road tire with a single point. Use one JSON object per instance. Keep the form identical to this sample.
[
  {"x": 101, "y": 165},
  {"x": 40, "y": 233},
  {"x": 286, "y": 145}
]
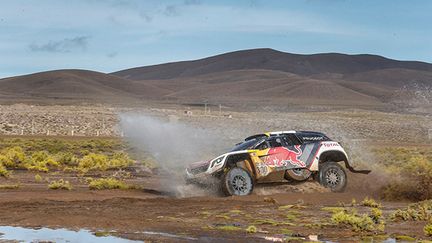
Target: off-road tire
[
  {"x": 332, "y": 175},
  {"x": 237, "y": 182},
  {"x": 298, "y": 175}
]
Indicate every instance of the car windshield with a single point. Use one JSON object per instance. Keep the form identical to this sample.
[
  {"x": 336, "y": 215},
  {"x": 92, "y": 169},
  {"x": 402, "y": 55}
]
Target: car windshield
[{"x": 244, "y": 145}]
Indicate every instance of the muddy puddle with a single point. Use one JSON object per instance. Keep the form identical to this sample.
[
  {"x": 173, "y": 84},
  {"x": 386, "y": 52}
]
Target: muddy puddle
[{"x": 21, "y": 234}]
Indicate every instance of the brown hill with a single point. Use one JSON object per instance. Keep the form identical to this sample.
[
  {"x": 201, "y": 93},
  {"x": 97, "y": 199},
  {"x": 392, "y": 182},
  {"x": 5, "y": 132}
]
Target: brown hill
[
  {"x": 261, "y": 76},
  {"x": 75, "y": 86},
  {"x": 266, "y": 86},
  {"x": 270, "y": 59}
]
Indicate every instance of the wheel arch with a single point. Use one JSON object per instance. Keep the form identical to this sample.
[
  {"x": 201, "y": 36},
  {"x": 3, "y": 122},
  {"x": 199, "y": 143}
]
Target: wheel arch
[
  {"x": 243, "y": 160},
  {"x": 339, "y": 156},
  {"x": 333, "y": 156}
]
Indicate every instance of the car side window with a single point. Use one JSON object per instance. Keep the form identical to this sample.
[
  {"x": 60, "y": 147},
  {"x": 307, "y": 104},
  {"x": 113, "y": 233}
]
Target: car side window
[
  {"x": 287, "y": 141},
  {"x": 262, "y": 146},
  {"x": 293, "y": 139},
  {"x": 275, "y": 142}
]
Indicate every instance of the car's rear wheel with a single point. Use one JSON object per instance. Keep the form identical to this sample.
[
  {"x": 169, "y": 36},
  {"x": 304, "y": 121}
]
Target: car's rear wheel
[
  {"x": 333, "y": 176},
  {"x": 298, "y": 174},
  {"x": 237, "y": 181}
]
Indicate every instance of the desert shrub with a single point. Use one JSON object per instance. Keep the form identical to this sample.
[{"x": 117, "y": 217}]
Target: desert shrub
[
  {"x": 421, "y": 169},
  {"x": 60, "y": 184},
  {"x": 119, "y": 160},
  {"x": 3, "y": 171},
  {"x": 414, "y": 212},
  {"x": 333, "y": 209},
  {"x": 93, "y": 161},
  {"x": 38, "y": 178},
  {"x": 40, "y": 161},
  {"x": 228, "y": 228},
  {"x": 102, "y": 162},
  {"x": 415, "y": 181},
  {"x": 107, "y": 183},
  {"x": 251, "y": 229},
  {"x": 357, "y": 222},
  {"x": 10, "y": 186},
  {"x": 376, "y": 215},
  {"x": 13, "y": 157},
  {"x": 370, "y": 202},
  {"x": 428, "y": 229},
  {"x": 67, "y": 159}
]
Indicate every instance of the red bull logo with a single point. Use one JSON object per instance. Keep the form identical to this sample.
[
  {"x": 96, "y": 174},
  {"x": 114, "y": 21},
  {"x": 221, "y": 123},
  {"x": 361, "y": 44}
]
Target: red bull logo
[{"x": 281, "y": 156}]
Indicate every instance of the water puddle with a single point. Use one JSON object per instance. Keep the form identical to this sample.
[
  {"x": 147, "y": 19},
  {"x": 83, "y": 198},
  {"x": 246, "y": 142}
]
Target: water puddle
[{"x": 20, "y": 234}]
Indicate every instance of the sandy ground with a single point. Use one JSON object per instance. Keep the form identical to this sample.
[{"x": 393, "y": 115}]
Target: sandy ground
[
  {"x": 134, "y": 213},
  {"x": 158, "y": 212}
]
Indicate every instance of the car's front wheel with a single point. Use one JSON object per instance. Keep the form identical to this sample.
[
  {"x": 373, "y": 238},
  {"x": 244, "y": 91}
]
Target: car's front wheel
[
  {"x": 237, "y": 181},
  {"x": 333, "y": 176}
]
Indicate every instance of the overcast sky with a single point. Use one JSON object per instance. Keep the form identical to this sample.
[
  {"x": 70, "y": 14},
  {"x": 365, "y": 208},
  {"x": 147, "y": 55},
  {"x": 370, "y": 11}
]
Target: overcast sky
[{"x": 110, "y": 35}]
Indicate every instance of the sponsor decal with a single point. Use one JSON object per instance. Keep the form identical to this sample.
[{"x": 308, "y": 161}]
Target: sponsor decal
[
  {"x": 282, "y": 157},
  {"x": 328, "y": 145},
  {"x": 262, "y": 169}
]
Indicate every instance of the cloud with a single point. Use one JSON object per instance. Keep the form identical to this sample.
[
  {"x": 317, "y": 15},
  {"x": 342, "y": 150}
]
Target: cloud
[
  {"x": 192, "y": 2},
  {"x": 175, "y": 10},
  {"x": 66, "y": 45},
  {"x": 171, "y": 11},
  {"x": 112, "y": 54},
  {"x": 146, "y": 16}
]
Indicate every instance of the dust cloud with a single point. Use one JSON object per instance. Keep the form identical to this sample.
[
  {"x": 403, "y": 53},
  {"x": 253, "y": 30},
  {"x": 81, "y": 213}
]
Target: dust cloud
[{"x": 173, "y": 144}]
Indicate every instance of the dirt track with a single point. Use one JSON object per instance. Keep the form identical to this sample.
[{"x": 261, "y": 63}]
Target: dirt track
[
  {"x": 205, "y": 218},
  {"x": 154, "y": 213}
]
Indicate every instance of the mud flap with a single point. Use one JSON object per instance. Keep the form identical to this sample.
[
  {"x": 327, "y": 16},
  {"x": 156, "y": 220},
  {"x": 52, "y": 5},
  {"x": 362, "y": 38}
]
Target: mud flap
[{"x": 351, "y": 169}]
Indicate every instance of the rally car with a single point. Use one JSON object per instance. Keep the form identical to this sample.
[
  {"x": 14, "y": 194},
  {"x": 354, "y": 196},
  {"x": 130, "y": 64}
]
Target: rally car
[{"x": 275, "y": 156}]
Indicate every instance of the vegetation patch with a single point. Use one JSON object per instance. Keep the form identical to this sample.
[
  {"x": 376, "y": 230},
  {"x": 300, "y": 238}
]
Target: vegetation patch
[
  {"x": 60, "y": 184},
  {"x": 44, "y": 155},
  {"x": 359, "y": 223},
  {"x": 410, "y": 170},
  {"x": 428, "y": 229},
  {"x": 333, "y": 209},
  {"x": 228, "y": 228},
  {"x": 420, "y": 211},
  {"x": 38, "y": 178},
  {"x": 102, "y": 233},
  {"x": 11, "y": 186},
  {"x": 404, "y": 238},
  {"x": 107, "y": 184},
  {"x": 271, "y": 222},
  {"x": 251, "y": 229},
  {"x": 370, "y": 202},
  {"x": 3, "y": 171}
]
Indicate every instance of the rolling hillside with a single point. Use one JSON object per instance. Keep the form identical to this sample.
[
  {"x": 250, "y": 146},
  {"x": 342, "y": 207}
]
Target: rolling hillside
[
  {"x": 75, "y": 85},
  {"x": 270, "y": 59},
  {"x": 259, "y": 76}
]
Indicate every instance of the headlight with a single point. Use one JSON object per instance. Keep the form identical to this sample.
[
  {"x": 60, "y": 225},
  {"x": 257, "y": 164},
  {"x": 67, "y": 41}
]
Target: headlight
[{"x": 216, "y": 161}]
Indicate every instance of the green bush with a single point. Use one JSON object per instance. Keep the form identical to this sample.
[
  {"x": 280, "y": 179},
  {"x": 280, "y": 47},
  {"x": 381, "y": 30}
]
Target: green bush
[
  {"x": 359, "y": 223},
  {"x": 60, "y": 184},
  {"x": 38, "y": 178},
  {"x": 67, "y": 159},
  {"x": 251, "y": 229},
  {"x": 428, "y": 229},
  {"x": 3, "y": 171},
  {"x": 376, "y": 215},
  {"x": 13, "y": 157},
  {"x": 107, "y": 183},
  {"x": 93, "y": 161},
  {"x": 420, "y": 211},
  {"x": 119, "y": 160},
  {"x": 414, "y": 179},
  {"x": 370, "y": 202}
]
